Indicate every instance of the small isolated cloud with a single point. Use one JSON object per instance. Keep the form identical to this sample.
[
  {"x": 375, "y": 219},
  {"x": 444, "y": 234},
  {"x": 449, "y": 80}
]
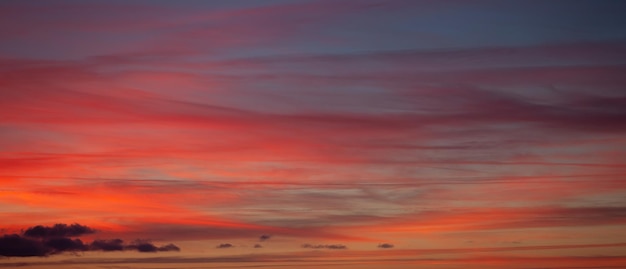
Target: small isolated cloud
[
  {"x": 258, "y": 246},
  {"x": 264, "y": 237},
  {"x": 337, "y": 246},
  {"x": 385, "y": 245},
  {"x": 58, "y": 230},
  {"x": 226, "y": 245}
]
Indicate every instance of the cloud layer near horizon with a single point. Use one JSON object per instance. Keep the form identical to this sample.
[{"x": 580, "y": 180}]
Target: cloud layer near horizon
[{"x": 60, "y": 238}]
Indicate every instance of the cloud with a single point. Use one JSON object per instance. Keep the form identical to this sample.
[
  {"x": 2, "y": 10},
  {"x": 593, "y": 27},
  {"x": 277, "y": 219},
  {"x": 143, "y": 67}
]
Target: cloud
[
  {"x": 385, "y": 245},
  {"x": 146, "y": 246},
  {"x": 14, "y": 245},
  {"x": 418, "y": 108},
  {"x": 44, "y": 241},
  {"x": 336, "y": 246},
  {"x": 225, "y": 245},
  {"x": 168, "y": 247},
  {"x": 264, "y": 237},
  {"x": 180, "y": 230},
  {"x": 143, "y": 247},
  {"x": 108, "y": 245},
  {"x": 138, "y": 245},
  {"x": 258, "y": 246},
  {"x": 58, "y": 230},
  {"x": 62, "y": 244}
]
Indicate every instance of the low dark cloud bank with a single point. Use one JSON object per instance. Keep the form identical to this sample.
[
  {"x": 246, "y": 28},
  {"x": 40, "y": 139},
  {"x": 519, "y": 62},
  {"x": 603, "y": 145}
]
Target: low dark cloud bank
[
  {"x": 48, "y": 240},
  {"x": 385, "y": 245},
  {"x": 13, "y": 245}
]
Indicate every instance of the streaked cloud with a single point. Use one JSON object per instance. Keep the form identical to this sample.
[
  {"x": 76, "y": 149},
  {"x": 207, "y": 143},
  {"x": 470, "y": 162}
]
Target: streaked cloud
[{"x": 239, "y": 127}]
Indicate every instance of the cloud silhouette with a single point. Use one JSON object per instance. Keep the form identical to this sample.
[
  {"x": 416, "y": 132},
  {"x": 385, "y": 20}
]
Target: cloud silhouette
[
  {"x": 225, "y": 245},
  {"x": 14, "y": 245},
  {"x": 107, "y": 245},
  {"x": 146, "y": 246},
  {"x": 43, "y": 241},
  {"x": 385, "y": 245},
  {"x": 264, "y": 237},
  {"x": 58, "y": 230},
  {"x": 337, "y": 246},
  {"x": 143, "y": 247},
  {"x": 258, "y": 246},
  {"x": 62, "y": 244},
  {"x": 168, "y": 247}
]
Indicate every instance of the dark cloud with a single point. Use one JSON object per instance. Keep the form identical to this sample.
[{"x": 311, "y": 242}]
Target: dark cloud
[
  {"x": 143, "y": 247},
  {"x": 62, "y": 244},
  {"x": 108, "y": 245},
  {"x": 43, "y": 241},
  {"x": 264, "y": 237},
  {"x": 14, "y": 245},
  {"x": 337, "y": 246},
  {"x": 146, "y": 246},
  {"x": 225, "y": 245},
  {"x": 58, "y": 230},
  {"x": 385, "y": 245},
  {"x": 169, "y": 247},
  {"x": 138, "y": 245},
  {"x": 258, "y": 246}
]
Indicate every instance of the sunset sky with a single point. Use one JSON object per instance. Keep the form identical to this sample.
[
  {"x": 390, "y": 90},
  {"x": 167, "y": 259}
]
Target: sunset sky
[{"x": 339, "y": 134}]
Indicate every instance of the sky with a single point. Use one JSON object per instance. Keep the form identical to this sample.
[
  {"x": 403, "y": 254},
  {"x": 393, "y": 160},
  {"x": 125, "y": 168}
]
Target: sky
[{"x": 340, "y": 134}]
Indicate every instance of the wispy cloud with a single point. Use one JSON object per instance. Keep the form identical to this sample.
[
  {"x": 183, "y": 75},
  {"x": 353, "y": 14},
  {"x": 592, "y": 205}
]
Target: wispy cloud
[{"x": 241, "y": 123}]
